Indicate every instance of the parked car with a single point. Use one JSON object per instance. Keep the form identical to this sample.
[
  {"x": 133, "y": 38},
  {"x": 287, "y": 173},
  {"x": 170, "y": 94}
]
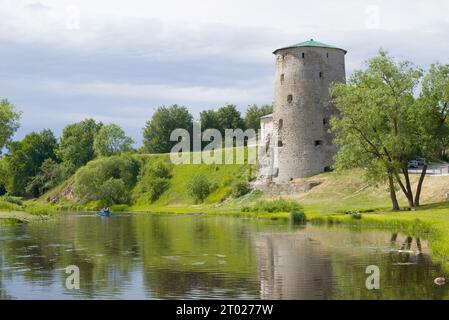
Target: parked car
[
  {"x": 413, "y": 164},
  {"x": 421, "y": 161}
]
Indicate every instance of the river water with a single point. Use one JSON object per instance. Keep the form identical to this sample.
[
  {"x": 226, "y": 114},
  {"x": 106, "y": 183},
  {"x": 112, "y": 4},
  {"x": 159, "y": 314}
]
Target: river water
[{"x": 148, "y": 256}]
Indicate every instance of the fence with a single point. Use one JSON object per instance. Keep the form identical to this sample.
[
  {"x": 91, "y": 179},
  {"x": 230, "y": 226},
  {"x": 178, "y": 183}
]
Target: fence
[{"x": 433, "y": 171}]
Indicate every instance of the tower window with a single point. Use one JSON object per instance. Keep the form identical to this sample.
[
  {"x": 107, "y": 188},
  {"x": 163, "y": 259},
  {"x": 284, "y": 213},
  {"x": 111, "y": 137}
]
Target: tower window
[
  {"x": 289, "y": 98},
  {"x": 280, "y": 144},
  {"x": 303, "y": 55},
  {"x": 327, "y": 54},
  {"x": 324, "y": 121},
  {"x": 281, "y": 124},
  {"x": 321, "y": 74},
  {"x": 318, "y": 143},
  {"x": 282, "y": 78}
]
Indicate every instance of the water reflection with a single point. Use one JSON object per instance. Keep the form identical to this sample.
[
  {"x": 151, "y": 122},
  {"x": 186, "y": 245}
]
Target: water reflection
[
  {"x": 323, "y": 263},
  {"x": 172, "y": 256}
]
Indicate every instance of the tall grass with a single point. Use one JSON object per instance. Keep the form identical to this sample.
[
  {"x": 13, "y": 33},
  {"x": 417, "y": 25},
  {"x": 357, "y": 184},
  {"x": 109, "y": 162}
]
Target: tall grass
[{"x": 279, "y": 205}]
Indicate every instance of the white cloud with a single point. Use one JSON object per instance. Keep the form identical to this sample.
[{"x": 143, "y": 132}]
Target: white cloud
[
  {"x": 240, "y": 93},
  {"x": 201, "y": 53}
]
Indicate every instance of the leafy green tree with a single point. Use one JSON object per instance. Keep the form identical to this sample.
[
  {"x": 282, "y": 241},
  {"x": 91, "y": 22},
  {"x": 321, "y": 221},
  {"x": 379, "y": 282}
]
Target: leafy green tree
[
  {"x": 3, "y": 176},
  {"x": 435, "y": 93},
  {"x": 156, "y": 134},
  {"x": 98, "y": 178},
  {"x": 49, "y": 176},
  {"x": 111, "y": 140},
  {"x": 382, "y": 125},
  {"x": 26, "y": 157},
  {"x": 209, "y": 120},
  {"x": 9, "y": 122},
  {"x": 226, "y": 117},
  {"x": 113, "y": 191},
  {"x": 76, "y": 146},
  {"x": 434, "y": 105},
  {"x": 253, "y": 115},
  {"x": 229, "y": 118}
]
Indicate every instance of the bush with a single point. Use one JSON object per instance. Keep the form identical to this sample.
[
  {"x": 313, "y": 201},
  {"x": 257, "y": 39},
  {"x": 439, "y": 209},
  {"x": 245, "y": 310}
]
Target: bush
[
  {"x": 40, "y": 209},
  {"x": 154, "y": 179},
  {"x": 9, "y": 206},
  {"x": 240, "y": 188},
  {"x": 11, "y": 199},
  {"x": 113, "y": 191},
  {"x": 298, "y": 216},
  {"x": 108, "y": 180},
  {"x": 279, "y": 205},
  {"x": 157, "y": 187},
  {"x": 355, "y": 215},
  {"x": 49, "y": 176},
  {"x": 199, "y": 187}
]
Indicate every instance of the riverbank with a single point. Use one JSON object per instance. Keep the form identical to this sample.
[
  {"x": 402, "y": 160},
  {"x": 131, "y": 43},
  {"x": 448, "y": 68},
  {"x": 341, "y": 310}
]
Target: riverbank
[{"x": 20, "y": 216}]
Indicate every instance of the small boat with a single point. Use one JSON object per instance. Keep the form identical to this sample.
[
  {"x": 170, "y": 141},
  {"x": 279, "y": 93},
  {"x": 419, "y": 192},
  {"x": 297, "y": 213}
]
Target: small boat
[{"x": 104, "y": 213}]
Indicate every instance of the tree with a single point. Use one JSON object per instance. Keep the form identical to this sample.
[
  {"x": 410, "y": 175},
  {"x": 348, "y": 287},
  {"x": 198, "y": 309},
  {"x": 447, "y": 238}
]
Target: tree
[
  {"x": 9, "y": 122},
  {"x": 107, "y": 179},
  {"x": 229, "y": 118},
  {"x": 26, "y": 157},
  {"x": 209, "y": 120},
  {"x": 3, "y": 176},
  {"x": 156, "y": 134},
  {"x": 49, "y": 176},
  {"x": 111, "y": 140},
  {"x": 253, "y": 115},
  {"x": 382, "y": 125},
  {"x": 76, "y": 146},
  {"x": 434, "y": 103}
]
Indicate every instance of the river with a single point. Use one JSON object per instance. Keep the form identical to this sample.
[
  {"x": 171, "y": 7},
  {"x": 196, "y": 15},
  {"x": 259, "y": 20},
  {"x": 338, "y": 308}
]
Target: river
[{"x": 144, "y": 256}]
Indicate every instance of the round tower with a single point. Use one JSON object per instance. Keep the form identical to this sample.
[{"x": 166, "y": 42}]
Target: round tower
[{"x": 302, "y": 108}]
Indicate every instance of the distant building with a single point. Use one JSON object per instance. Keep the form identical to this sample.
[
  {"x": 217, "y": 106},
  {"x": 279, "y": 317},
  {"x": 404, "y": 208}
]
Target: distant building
[{"x": 295, "y": 140}]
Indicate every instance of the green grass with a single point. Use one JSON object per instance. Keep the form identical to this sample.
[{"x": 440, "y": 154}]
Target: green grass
[{"x": 221, "y": 176}]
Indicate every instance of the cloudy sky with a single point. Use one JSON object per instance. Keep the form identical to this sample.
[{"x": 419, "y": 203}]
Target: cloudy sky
[{"x": 116, "y": 61}]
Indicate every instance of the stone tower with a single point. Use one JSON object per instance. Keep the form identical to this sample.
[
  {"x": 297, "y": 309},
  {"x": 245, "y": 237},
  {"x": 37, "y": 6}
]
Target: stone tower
[{"x": 302, "y": 109}]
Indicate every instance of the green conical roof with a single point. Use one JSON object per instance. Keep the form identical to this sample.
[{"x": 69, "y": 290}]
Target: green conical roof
[{"x": 310, "y": 43}]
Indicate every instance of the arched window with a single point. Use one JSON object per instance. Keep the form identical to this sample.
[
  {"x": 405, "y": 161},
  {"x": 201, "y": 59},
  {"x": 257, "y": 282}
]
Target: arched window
[
  {"x": 289, "y": 98},
  {"x": 281, "y": 124},
  {"x": 282, "y": 78}
]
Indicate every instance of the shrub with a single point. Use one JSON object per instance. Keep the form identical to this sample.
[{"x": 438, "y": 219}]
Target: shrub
[
  {"x": 108, "y": 180},
  {"x": 157, "y": 187},
  {"x": 11, "y": 199},
  {"x": 9, "y": 206},
  {"x": 279, "y": 205},
  {"x": 154, "y": 179},
  {"x": 199, "y": 187},
  {"x": 240, "y": 188},
  {"x": 113, "y": 191},
  {"x": 49, "y": 176},
  {"x": 298, "y": 216},
  {"x": 40, "y": 209}
]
